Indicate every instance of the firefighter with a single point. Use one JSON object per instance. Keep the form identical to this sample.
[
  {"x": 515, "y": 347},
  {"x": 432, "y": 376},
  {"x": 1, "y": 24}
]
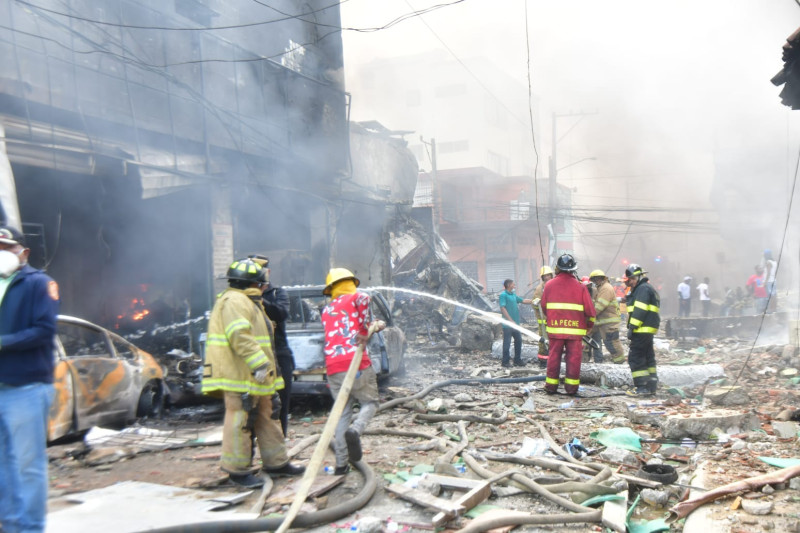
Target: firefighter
[
  {"x": 643, "y": 322},
  {"x": 240, "y": 367},
  {"x": 545, "y": 274},
  {"x": 606, "y": 326},
  {"x": 588, "y": 351},
  {"x": 347, "y": 320},
  {"x": 570, "y": 315}
]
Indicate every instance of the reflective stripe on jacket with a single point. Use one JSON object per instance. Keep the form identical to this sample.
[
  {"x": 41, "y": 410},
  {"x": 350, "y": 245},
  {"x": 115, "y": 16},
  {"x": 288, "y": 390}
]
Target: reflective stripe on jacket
[
  {"x": 568, "y": 307},
  {"x": 606, "y": 305},
  {"x": 537, "y": 295},
  {"x": 643, "y": 308},
  {"x": 239, "y": 341}
]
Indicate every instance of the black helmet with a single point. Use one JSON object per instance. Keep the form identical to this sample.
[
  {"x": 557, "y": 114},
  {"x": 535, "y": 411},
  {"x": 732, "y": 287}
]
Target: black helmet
[
  {"x": 566, "y": 263},
  {"x": 246, "y": 270},
  {"x": 634, "y": 270}
]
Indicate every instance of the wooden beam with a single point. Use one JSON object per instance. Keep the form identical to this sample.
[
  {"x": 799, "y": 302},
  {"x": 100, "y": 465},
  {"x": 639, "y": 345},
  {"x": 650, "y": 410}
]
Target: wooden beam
[
  {"x": 468, "y": 501},
  {"x": 426, "y": 499}
]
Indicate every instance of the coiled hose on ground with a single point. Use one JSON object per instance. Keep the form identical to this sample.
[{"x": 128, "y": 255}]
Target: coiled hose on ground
[{"x": 348, "y": 507}]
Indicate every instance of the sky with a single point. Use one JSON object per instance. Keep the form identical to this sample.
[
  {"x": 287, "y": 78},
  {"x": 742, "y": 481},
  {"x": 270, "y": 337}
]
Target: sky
[{"x": 680, "y": 109}]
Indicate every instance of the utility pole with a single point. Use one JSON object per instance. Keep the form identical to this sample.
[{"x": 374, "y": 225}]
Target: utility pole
[
  {"x": 434, "y": 184},
  {"x": 553, "y": 179}
]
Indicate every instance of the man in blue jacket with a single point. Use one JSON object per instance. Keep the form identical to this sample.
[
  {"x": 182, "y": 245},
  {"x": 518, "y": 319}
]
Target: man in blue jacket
[{"x": 28, "y": 309}]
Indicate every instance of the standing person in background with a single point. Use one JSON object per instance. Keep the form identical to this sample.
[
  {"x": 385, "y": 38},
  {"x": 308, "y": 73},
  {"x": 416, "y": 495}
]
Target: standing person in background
[
  {"x": 643, "y": 322},
  {"x": 28, "y": 308},
  {"x": 770, "y": 269},
  {"x": 606, "y": 326},
  {"x": 685, "y": 297},
  {"x": 755, "y": 286},
  {"x": 346, "y": 320},
  {"x": 705, "y": 299},
  {"x": 276, "y": 304},
  {"x": 570, "y": 315},
  {"x": 545, "y": 274},
  {"x": 509, "y": 308}
]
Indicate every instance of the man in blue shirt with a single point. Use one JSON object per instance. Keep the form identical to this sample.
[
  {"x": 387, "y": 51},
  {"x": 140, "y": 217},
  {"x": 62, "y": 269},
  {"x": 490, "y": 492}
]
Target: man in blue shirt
[
  {"x": 509, "y": 308},
  {"x": 28, "y": 309}
]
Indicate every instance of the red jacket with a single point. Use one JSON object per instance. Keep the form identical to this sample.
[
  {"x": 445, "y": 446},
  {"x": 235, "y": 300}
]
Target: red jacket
[{"x": 568, "y": 307}]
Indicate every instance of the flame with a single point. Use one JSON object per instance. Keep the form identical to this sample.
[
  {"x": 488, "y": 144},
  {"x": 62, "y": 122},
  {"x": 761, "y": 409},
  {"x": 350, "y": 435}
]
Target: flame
[
  {"x": 140, "y": 314},
  {"x": 136, "y": 308}
]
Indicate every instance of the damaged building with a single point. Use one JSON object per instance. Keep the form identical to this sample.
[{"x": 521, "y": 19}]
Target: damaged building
[{"x": 152, "y": 143}]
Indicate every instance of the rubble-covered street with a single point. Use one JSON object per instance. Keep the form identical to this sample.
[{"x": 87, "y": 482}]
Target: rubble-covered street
[{"x": 720, "y": 431}]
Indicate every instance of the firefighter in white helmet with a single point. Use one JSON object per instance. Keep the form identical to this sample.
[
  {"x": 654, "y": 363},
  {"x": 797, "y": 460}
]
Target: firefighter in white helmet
[
  {"x": 606, "y": 326},
  {"x": 546, "y": 274}
]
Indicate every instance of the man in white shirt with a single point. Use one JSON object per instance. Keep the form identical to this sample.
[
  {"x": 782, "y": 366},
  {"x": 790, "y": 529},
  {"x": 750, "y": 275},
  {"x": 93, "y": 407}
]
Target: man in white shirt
[
  {"x": 705, "y": 299},
  {"x": 770, "y": 268},
  {"x": 685, "y": 297}
]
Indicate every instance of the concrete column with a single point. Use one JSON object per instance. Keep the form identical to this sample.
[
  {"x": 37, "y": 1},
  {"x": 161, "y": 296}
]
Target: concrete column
[{"x": 221, "y": 236}]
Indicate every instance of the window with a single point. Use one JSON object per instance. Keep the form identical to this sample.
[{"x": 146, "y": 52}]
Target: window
[
  {"x": 423, "y": 194},
  {"x": 497, "y": 163},
  {"x": 520, "y": 210},
  {"x": 80, "y": 341},
  {"x": 453, "y": 146}
]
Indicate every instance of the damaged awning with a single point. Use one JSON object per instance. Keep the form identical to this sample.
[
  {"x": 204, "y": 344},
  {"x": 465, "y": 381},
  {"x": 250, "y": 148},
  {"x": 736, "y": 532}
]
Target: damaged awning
[{"x": 43, "y": 145}]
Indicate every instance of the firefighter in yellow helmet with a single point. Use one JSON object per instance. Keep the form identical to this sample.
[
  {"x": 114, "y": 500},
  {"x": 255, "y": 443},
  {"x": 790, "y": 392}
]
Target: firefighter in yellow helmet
[
  {"x": 240, "y": 368},
  {"x": 545, "y": 274},
  {"x": 606, "y": 326}
]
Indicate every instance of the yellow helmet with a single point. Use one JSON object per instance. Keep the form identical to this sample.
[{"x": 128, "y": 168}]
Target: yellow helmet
[
  {"x": 545, "y": 270},
  {"x": 597, "y": 274},
  {"x": 336, "y": 275}
]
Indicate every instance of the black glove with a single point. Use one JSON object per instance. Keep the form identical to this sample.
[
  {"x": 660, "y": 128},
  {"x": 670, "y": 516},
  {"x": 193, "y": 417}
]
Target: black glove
[
  {"x": 630, "y": 333},
  {"x": 276, "y": 407}
]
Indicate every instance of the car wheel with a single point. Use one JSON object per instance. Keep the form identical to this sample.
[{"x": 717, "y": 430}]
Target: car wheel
[{"x": 151, "y": 401}]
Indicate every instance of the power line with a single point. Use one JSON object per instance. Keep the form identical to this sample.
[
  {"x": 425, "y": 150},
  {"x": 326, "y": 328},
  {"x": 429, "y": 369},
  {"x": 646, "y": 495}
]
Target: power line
[
  {"x": 533, "y": 134},
  {"x": 388, "y": 25},
  {"x": 474, "y": 76},
  {"x": 174, "y": 28}
]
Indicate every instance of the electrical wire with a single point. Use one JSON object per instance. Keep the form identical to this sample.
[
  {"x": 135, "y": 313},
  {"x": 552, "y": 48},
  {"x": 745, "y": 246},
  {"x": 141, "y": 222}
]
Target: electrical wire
[
  {"x": 173, "y": 28},
  {"x": 469, "y": 71},
  {"x": 533, "y": 134},
  {"x": 777, "y": 268}
]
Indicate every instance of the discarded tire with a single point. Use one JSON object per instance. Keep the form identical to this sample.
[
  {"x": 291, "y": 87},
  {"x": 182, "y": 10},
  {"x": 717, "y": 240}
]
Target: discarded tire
[{"x": 664, "y": 474}]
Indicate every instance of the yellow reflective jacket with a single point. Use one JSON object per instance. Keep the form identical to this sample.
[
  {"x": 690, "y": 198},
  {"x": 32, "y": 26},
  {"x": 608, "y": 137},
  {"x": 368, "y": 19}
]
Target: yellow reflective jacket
[
  {"x": 239, "y": 341},
  {"x": 606, "y": 305}
]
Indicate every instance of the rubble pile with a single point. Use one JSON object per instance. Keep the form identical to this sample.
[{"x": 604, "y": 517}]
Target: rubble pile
[{"x": 421, "y": 265}]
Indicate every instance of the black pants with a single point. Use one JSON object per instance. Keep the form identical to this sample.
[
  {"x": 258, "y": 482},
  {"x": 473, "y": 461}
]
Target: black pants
[
  {"x": 507, "y": 334},
  {"x": 706, "y": 307},
  {"x": 286, "y": 364},
  {"x": 642, "y": 360},
  {"x": 684, "y": 307}
]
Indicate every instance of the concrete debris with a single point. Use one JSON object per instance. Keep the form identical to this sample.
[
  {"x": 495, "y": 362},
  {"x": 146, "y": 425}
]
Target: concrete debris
[
  {"x": 369, "y": 524},
  {"x": 785, "y": 430},
  {"x": 701, "y": 424},
  {"x": 757, "y": 507},
  {"x": 620, "y": 456},
  {"x": 727, "y": 396},
  {"x": 462, "y": 397}
]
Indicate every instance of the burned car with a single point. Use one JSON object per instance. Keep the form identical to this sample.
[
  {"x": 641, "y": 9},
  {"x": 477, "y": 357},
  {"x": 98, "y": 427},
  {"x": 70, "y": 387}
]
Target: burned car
[
  {"x": 305, "y": 334},
  {"x": 100, "y": 379}
]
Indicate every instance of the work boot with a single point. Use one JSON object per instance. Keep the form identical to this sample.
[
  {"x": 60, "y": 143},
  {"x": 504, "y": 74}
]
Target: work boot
[
  {"x": 653, "y": 385},
  {"x": 248, "y": 480},
  {"x": 353, "y": 440},
  {"x": 341, "y": 470},
  {"x": 519, "y": 362},
  {"x": 505, "y": 363},
  {"x": 639, "y": 392},
  {"x": 542, "y": 363},
  {"x": 286, "y": 470}
]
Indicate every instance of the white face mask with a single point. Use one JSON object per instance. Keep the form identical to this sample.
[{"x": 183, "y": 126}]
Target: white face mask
[{"x": 9, "y": 263}]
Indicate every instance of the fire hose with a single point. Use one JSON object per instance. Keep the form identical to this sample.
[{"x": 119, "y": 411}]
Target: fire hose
[{"x": 305, "y": 520}]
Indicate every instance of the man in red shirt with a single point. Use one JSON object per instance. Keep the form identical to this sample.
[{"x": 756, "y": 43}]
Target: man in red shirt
[
  {"x": 570, "y": 315},
  {"x": 755, "y": 286},
  {"x": 346, "y": 321}
]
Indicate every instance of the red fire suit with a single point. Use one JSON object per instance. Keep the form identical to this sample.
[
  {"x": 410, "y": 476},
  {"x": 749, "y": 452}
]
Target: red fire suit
[{"x": 570, "y": 315}]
